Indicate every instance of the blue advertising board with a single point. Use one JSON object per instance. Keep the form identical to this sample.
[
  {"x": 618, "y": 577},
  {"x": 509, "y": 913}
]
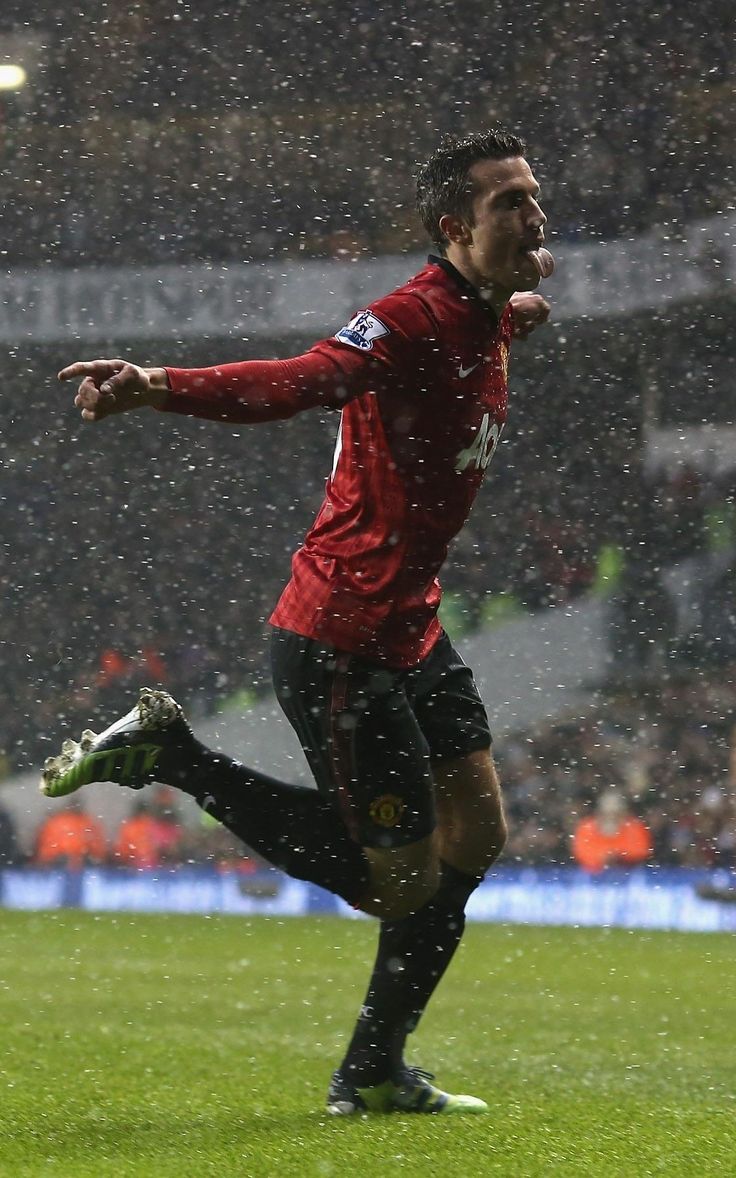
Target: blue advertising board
[{"x": 645, "y": 898}]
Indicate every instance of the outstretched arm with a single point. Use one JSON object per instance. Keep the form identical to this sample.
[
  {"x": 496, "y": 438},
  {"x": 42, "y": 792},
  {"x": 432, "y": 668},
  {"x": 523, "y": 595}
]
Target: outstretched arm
[
  {"x": 331, "y": 373},
  {"x": 249, "y": 391}
]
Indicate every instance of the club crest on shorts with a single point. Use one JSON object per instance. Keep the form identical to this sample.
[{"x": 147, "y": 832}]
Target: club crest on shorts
[
  {"x": 362, "y": 330},
  {"x": 387, "y": 810}
]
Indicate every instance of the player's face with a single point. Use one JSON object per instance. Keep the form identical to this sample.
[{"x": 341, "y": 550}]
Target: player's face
[{"x": 508, "y": 223}]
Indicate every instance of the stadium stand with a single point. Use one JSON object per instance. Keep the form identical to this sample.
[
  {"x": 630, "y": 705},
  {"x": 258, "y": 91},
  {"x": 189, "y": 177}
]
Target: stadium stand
[{"x": 248, "y": 152}]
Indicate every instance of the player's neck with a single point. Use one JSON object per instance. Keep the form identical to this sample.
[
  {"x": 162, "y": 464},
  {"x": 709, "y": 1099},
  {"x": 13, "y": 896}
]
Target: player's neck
[{"x": 489, "y": 292}]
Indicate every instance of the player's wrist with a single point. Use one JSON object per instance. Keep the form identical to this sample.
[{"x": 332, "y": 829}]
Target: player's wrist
[{"x": 158, "y": 387}]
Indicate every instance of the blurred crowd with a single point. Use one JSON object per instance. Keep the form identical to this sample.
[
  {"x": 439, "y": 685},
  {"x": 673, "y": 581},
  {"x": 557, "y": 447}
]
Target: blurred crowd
[
  {"x": 648, "y": 776},
  {"x": 152, "y": 836},
  {"x": 156, "y": 132}
]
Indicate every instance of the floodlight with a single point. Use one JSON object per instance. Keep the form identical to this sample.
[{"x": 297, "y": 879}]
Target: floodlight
[{"x": 12, "y": 77}]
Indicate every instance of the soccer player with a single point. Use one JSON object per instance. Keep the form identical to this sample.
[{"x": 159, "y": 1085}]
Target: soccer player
[{"x": 408, "y": 815}]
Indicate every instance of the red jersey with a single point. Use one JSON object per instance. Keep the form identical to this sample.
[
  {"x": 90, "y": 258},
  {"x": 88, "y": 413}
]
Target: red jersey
[{"x": 420, "y": 379}]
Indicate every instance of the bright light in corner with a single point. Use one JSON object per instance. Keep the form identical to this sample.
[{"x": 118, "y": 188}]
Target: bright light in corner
[{"x": 12, "y": 77}]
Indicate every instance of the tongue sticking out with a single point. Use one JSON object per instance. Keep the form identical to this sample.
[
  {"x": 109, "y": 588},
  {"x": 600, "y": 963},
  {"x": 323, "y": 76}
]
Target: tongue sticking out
[{"x": 543, "y": 261}]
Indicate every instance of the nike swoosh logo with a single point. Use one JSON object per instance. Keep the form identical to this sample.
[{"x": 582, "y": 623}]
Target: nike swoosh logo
[{"x": 463, "y": 372}]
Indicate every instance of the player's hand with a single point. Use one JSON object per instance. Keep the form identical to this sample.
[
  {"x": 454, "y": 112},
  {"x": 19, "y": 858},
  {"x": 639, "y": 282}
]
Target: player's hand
[
  {"x": 110, "y": 386},
  {"x": 530, "y": 311}
]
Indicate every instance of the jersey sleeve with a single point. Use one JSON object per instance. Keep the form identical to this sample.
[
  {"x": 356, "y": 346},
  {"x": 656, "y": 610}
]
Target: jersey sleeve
[{"x": 380, "y": 347}]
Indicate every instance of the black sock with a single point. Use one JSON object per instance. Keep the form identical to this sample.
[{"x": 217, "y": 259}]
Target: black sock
[
  {"x": 412, "y": 956},
  {"x": 291, "y": 826}
]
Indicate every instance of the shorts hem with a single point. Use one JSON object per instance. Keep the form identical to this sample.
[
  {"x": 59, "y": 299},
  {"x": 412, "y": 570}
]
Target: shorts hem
[{"x": 473, "y": 746}]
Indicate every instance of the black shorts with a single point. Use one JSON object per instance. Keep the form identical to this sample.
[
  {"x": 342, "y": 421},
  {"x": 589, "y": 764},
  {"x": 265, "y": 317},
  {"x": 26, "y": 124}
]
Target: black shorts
[{"x": 371, "y": 733}]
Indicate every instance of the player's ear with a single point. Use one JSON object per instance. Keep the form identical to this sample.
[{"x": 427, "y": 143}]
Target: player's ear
[{"x": 455, "y": 229}]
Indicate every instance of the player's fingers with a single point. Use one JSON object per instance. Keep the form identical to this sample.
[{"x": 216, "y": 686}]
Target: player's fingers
[
  {"x": 128, "y": 379},
  {"x": 98, "y": 370},
  {"x": 88, "y": 393},
  {"x": 119, "y": 380},
  {"x": 104, "y": 407},
  {"x": 94, "y": 414},
  {"x": 90, "y": 399},
  {"x": 538, "y": 311}
]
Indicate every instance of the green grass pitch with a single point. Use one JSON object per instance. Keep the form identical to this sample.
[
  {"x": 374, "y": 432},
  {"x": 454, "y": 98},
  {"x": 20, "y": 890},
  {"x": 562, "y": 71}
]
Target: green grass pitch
[{"x": 187, "y": 1046}]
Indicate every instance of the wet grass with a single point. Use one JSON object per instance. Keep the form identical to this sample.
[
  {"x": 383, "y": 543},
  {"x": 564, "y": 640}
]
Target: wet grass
[{"x": 190, "y": 1046}]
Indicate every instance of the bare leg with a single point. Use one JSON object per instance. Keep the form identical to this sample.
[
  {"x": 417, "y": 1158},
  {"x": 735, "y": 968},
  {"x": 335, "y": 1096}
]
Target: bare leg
[{"x": 471, "y": 828}]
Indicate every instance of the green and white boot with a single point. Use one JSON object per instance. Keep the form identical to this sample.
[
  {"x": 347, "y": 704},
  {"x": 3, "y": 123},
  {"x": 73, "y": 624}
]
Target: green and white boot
[
  {"x": 410, "y": 1092},
  {"x": 153, "y": 742}
]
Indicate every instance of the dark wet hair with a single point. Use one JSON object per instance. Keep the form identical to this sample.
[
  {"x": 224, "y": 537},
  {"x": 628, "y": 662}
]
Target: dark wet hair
[{"x": 443, "y": 183}]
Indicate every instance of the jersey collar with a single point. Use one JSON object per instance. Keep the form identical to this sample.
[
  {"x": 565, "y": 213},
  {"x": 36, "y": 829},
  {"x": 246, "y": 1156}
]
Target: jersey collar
[{"x": 466, "y": 287}]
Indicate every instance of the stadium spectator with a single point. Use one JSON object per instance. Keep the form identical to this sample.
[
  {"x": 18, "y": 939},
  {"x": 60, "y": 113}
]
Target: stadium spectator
[
  {"x": 167, "y": 827},
  {"x": 70, "y": 838},
  {"x": 136, "y": 843},
  {"x": 152, "y": 835},
  {"x": 612, "y": 837}
]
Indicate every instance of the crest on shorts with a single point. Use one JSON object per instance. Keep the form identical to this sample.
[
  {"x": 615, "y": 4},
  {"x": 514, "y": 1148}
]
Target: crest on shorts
[
  {"x": 387, "y": 810},
  {"x": 362, "y": 330}
]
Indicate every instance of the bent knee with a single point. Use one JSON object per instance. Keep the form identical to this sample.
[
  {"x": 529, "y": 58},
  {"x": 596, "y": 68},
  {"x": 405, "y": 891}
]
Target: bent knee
[
  {"x": 402, "y": 881},
  {"x": 396, "y": 905},
  {"x": 473, "y": 837}
]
